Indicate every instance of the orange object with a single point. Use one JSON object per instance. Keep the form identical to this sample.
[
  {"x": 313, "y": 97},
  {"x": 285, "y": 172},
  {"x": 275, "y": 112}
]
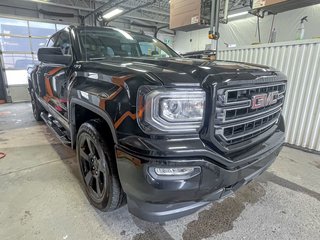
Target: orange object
[
  {"x": 47, "y": 82},
  {"x": 123, "y": 117},
  {"x": 2, "y": 155}
]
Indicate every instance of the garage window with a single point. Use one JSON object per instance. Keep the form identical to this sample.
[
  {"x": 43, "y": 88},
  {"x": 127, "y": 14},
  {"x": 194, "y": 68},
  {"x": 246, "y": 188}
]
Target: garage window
[
  {"x": 14, "y": 61},
  {"x": 19, "y": 44}
]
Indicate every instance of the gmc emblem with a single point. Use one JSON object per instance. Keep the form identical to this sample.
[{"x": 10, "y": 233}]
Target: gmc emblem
[{"x": 264, "y": 100}]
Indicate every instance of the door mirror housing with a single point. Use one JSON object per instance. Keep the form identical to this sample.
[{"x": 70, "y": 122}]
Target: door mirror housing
[{"x": 53, "y": 55}]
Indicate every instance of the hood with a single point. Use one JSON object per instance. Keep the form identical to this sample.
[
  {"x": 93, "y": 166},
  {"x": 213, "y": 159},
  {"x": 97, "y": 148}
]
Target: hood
[{"x": 177, "y": 72}]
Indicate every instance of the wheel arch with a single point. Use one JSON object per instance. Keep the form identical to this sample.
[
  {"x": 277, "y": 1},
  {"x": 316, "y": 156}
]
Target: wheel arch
[{"x": 74, "y": 102}]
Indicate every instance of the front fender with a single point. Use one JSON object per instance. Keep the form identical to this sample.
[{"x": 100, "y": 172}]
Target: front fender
[{"x": 104, "y": 115}]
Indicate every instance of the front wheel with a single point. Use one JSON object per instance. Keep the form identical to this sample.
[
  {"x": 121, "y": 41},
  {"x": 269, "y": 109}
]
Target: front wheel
[
  {"x": 36, "y": 108},
  {"x": 97, "y": 167}
]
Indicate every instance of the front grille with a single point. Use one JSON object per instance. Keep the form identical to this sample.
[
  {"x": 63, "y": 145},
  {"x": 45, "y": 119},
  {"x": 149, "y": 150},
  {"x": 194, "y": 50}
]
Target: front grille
[
  {"x": 236, "y": 95},
  {"x": 237, "y": 120}
]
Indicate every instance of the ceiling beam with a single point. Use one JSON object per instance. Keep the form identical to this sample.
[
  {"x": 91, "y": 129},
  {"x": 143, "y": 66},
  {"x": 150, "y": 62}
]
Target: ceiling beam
[
  {"x": 90, "y": 9},
  {"x": 134, "y": 9},
  {"x": 144, "y": 19},
  {"x": 44, "y": 2},
  {"x": 58, "y": 5},
  {"x": 155, "y": 11},
  {"x": 144, "y": 9}
]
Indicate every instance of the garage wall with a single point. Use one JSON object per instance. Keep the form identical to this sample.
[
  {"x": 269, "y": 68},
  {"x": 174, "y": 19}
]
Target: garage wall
[
  {"x": 2, "y": 88},
  {"x": 300, "y": 61},
  {"x": 243, "y": 32}
]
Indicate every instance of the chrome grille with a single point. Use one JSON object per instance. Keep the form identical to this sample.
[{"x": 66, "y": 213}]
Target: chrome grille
[
  {"x": 236, "y": 120},
  {"x": 242, "y": 94}
]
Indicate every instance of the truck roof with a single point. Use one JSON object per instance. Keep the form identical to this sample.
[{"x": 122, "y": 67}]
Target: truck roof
[{"x": 102, "y": 28}]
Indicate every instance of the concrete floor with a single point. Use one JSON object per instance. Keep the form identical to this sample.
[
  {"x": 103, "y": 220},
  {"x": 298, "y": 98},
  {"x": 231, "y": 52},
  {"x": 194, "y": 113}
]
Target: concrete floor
[{"x": 41, "y": 196}]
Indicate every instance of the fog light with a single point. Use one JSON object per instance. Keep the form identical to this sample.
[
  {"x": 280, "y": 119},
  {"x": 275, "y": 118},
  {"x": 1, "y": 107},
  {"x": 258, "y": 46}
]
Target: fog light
[{"x": 176, "y": 173}]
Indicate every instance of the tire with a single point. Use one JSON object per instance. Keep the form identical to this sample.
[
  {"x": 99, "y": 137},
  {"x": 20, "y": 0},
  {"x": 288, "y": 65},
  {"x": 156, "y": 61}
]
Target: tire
[
  {"x": 36, "y": 107},
  {"x": 97, "y": 167}
]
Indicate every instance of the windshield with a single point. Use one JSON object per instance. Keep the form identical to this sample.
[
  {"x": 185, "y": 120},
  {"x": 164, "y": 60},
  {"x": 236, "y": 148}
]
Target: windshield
[{"x": 111, "y": 43}]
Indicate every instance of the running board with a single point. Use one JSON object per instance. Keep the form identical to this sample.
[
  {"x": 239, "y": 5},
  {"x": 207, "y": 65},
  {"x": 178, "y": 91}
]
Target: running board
[{"x": 56, "y": 128}]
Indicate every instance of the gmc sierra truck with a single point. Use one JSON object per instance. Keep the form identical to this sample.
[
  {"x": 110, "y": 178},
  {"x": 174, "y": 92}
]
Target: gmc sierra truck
[{"x": 165, "y": 134}]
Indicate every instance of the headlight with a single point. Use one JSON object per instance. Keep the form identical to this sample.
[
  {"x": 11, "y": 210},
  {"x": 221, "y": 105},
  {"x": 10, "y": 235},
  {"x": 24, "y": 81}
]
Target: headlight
[
  {"x": 177, "y": 110},
  {"x": 170, "y": 110}
]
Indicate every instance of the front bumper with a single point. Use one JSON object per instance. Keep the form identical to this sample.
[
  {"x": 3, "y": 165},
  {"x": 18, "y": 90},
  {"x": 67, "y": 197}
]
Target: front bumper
[{"x": 162, "y": 200}]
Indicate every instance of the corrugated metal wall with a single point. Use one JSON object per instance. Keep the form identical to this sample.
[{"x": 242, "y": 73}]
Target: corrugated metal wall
[{"x": 300, "y": 61}]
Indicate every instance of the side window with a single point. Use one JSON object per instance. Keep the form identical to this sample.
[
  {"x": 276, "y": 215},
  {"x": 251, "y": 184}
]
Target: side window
[
  {"x": 52, "y": 41},
  {"x": 64, "y": 43},
  {"x": 149, "y": 49},
  {"x": 128, "y": 50}
]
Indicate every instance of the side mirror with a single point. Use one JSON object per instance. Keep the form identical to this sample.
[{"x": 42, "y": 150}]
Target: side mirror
[{"x": 53, "y": 55}]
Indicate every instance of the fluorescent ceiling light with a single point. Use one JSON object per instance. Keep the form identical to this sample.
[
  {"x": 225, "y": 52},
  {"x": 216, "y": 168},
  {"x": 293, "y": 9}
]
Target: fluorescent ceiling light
[
  {"x": 237, "y": 14},
  {"x": 113, "y": 13}
]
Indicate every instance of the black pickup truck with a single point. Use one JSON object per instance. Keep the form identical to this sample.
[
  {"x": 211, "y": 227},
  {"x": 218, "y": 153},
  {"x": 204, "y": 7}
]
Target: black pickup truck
[{"x": 165, "y": 134}]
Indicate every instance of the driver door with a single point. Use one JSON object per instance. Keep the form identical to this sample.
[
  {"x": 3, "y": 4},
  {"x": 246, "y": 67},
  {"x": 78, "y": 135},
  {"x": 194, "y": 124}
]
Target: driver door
[{"x": 53, "y": 78}]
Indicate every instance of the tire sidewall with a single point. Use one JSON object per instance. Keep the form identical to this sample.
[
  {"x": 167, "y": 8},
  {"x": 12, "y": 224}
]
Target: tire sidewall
[
  {"x": 35, "y": 106},
  {"x": 90, "y": 130}
]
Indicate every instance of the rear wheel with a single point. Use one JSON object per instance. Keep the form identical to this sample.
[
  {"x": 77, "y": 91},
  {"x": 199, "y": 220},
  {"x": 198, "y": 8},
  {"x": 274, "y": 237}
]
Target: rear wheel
[
  {"x": 97, "y": 167},
  {"x": 36, "y": 108}
]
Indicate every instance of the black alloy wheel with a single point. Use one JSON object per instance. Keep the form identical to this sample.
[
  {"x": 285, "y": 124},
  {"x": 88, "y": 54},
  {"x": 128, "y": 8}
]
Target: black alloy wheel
[
  {"x": 97, "y": 167},
  {"x": 93, "y": 167}
]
